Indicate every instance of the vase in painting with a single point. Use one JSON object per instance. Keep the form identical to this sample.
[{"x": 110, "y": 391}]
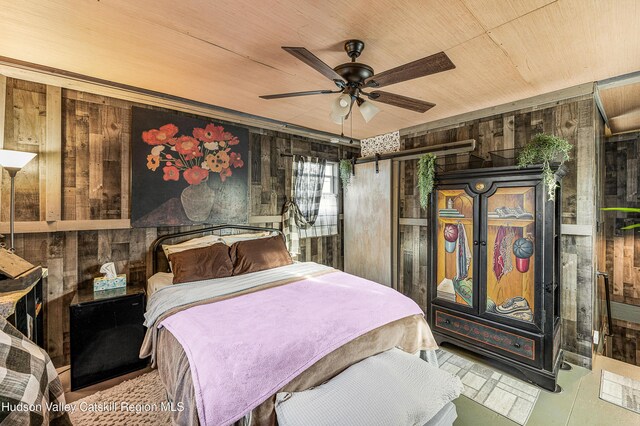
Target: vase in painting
[{"x": 197, "y": 201}]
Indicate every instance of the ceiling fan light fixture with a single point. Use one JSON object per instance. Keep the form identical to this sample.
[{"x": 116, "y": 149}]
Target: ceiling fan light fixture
[
  {"x": 341, "y": 105},
  {"x": 336, "y": 118},
  {"x": 368, "y": 110}
]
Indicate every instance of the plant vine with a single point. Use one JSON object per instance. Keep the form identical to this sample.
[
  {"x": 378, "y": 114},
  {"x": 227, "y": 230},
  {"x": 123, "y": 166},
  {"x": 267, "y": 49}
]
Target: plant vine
[
  {"x": 346, "y": 169},
  {"x": 426, "y": 175},
  {"x": 546, "y": 149}
]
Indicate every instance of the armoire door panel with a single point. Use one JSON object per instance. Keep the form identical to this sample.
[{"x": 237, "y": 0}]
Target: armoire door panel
[{"x": 456, "y": 246}]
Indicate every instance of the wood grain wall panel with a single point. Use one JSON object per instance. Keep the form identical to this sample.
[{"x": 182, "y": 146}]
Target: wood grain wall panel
[
  {"x": 51, "y": 201},
  {"x": 626, "y": 341},
  {"x": 571, "y": 119},
  {"x": 25, "y": 130},
  {"x": 623, "y": 246},
  {"x": 96, "y": 135},
  {"x": 414, "y": 262},
  {"x": 95, "y": 151}
]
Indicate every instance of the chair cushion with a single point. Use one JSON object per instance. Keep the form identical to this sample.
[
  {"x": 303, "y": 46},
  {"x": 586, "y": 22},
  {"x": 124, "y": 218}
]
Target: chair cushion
[{"x": 391, "y": 388}]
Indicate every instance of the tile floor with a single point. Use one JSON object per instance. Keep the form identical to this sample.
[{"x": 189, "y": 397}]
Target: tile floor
[
  {"x": 577, "y": 405},
  {"x": 499, "y": 392}
]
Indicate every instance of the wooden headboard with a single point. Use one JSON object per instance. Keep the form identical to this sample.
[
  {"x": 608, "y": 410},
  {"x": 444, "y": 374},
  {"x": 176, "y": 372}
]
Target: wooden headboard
[{"x": 160, "y": 263}]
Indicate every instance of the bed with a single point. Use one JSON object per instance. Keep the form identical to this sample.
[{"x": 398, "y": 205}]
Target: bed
[{"x": 232, "y": 344}]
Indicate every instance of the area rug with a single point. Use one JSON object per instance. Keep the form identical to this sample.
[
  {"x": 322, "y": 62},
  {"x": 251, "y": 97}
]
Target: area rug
[
  {"x": 619, "y": 390},
  {"x": 509, "y": 397},
  {"x": 139, "y": 401}
]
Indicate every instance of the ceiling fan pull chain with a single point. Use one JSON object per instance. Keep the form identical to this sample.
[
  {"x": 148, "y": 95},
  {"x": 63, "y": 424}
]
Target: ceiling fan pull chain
[{"x": 351, "y": 136}]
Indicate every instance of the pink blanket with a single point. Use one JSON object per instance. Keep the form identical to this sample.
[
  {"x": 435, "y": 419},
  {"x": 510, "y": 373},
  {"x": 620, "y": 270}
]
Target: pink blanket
[{"x": 244, "y": 349}]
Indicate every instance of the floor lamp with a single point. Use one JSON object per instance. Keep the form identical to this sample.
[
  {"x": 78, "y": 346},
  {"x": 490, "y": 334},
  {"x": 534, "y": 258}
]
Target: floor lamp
[{"x": 13, "y": 162}]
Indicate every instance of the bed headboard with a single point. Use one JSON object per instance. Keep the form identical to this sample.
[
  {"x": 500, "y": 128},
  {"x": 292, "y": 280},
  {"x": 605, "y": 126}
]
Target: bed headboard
[{"x": 160, "y": 263}]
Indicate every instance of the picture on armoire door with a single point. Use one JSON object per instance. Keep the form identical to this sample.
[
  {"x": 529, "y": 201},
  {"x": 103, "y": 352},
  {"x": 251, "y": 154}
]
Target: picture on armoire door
[
  {"x": 455, "y": 236},
  {"x": 510, "y": 246}
]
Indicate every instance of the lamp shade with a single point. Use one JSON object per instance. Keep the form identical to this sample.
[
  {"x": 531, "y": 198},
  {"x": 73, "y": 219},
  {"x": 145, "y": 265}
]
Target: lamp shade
[
  {"x": 15, "y": 159},
  {"x": 368, "y": 110},
  {"x": 341, "y": 105},
  {"x": 336, "y": 118}
]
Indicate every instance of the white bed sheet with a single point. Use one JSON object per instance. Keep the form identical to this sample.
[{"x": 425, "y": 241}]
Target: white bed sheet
[{"x": 168, "y": 296}]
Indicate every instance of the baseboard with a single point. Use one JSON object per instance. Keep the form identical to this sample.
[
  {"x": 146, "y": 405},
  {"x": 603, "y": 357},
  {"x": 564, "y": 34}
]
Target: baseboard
[{"x": 577, "y": 359}]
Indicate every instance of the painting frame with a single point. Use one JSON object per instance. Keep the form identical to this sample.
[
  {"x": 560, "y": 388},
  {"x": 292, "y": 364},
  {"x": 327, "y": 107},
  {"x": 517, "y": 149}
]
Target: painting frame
[{"x": 187, "y": 170}]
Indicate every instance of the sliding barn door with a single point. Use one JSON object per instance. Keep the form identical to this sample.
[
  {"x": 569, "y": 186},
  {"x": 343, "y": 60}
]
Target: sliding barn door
[{"x": 367, "y": 223}]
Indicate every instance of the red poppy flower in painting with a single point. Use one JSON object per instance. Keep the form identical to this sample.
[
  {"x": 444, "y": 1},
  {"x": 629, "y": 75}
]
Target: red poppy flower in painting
[
  {"x": 235, "y": 160},
  {"x": 186, "y": 145},
  {"x": 171, "y": 173},
  {"x": 231, "y": 139},
  {"x": 193, "y": 154},
  {"x": 210, "y": 133},
  {"x": 180, "y": 153},
  {"x": 160, "y": 136},
  {"x": 195, "y": 175},
  {"x": 225, "y": 173}
]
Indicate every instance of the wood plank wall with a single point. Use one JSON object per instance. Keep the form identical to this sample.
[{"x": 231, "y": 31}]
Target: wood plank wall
[
  {"x": 622, "y": 182},
  {"x": 571, "y": 119},
  {"x": 95, "y": 186}
]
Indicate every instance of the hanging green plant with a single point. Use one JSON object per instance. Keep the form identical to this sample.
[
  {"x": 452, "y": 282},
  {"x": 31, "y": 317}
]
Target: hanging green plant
[
  {"x": 426, "y": 175},
  {"x": 624, "y": 210},
  {"x": 346, "y": 169},
  {"x": 545, "y": 149}
]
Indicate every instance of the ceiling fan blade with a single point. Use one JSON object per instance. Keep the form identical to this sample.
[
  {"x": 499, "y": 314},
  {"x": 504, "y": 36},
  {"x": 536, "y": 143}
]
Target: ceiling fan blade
[
  {"x": 400, "y": 101},
  {"x": 313, "y": 61},
  {"x": 292, "y": 94},
  {"x": 430, "y": 65}
]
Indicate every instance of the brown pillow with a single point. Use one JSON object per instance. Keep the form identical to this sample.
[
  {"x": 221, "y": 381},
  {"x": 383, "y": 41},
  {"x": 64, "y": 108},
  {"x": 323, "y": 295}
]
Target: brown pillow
[
  {"x": 201, "y": 263},
  {"x": 257, "y": 255}
]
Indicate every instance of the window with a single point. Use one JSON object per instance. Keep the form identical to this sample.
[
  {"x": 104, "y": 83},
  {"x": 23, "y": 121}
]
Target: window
[{"x": 327, "y": 221}]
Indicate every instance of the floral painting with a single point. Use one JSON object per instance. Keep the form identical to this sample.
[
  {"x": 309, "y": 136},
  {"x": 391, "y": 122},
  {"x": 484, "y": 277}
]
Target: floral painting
[{"x": 187, "y": 170}]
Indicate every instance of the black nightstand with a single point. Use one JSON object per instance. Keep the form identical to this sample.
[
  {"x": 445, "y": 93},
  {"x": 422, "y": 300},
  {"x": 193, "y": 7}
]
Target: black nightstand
[{"x": 106, "y": 334}]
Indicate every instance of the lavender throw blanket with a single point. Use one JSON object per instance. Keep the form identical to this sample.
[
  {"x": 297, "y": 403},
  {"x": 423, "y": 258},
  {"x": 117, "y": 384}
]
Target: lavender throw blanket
[{"x": 242, "y": 350}]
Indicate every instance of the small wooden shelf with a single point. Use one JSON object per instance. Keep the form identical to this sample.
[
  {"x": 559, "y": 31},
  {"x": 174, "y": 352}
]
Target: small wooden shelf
[
  {"x": 510, "y": 222},
  {"x": 464, "y": 220}
]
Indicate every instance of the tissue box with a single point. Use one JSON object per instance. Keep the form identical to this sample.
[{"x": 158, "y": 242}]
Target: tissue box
[
  {"x": 112, "y": 292},
  {"x": 103, "y": 283}
]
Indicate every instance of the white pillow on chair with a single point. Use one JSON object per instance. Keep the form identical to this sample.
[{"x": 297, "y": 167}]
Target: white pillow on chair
[{"x": 391, "y": 388}]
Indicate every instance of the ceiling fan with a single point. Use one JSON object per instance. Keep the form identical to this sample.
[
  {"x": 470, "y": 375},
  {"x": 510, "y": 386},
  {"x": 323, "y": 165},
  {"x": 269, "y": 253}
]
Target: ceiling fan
[{"x": 353, "y": 78}]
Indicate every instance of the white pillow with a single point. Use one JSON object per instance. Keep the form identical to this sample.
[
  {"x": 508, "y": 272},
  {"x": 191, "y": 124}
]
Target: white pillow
[
  {"x": 230, "y": 239},
  {"x": 391, "y": 388},
  {"x": 157, "y": 281},
  {"x": 207, "y": 240}
]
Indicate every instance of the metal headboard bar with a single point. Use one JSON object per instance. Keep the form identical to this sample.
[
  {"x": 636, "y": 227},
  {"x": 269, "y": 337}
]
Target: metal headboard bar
[{"x": 157, "y": 243}]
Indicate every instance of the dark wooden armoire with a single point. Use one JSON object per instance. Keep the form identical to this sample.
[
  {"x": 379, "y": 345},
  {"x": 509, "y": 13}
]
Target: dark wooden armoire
[{"x": 494, "y": 286}]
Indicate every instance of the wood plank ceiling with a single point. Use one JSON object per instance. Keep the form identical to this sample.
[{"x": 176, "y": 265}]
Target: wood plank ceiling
[
  {"x": 227, "y": 52},
  {"x": 621, "y": 104}
]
